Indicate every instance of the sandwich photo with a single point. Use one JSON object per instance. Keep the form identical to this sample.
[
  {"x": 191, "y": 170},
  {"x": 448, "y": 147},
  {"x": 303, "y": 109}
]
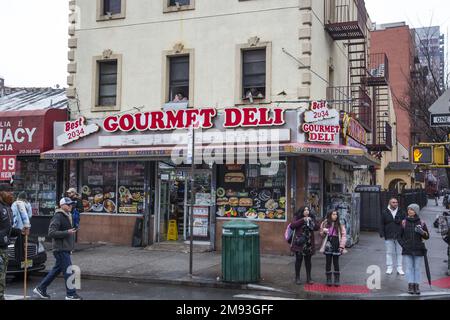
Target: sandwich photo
[{"x": 234, "y": 177}]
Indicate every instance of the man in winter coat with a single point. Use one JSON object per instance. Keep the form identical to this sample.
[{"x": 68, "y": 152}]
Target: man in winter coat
[
  {"x": 6, "y": 231},
  {"x": 62, "y": 232},
  {"x": 390, "y": 228}
]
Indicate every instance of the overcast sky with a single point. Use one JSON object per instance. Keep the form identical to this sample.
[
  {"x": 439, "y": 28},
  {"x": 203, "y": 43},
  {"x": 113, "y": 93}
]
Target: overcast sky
[{"x": 33, "y": 34}]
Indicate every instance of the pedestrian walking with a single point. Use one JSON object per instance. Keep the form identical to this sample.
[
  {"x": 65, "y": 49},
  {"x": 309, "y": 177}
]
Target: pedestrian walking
[
  {"x": 413, "y": 234},
  {"x": 22, "y": 213},
  {"x": 303, "y": 247},
  {"x": 77, "y": 206},
  {"x": 436, "y": 197},
  {"x": 333, "y": 245},
  {"x": 390, "y": 229},
  {"x": 62, "y": 232},
  {"x": 6, "y": 231}
]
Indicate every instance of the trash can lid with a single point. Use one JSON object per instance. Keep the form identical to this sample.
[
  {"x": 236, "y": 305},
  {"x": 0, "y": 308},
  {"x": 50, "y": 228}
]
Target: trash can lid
[{"x": 240, "y": 225}]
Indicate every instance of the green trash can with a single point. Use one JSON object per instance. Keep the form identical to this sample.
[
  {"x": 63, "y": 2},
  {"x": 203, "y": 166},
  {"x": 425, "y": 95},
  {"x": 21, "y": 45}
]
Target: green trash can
[{"x": 240, "y": 252}]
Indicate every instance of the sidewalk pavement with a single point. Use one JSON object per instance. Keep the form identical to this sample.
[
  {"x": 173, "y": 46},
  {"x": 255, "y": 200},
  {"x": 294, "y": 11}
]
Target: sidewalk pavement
[{"x": 107, "y": 262}]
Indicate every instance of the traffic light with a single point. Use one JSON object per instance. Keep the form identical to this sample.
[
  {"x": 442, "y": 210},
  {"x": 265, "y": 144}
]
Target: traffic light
[
  {"x": 422, "y": 155},
  {"x": 439, "y": 156}
]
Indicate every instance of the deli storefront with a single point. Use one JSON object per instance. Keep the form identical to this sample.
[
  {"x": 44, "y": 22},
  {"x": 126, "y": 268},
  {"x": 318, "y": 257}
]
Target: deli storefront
[
  {"x": 24, "y": 135},
  {"x": 256, "y": 164}
]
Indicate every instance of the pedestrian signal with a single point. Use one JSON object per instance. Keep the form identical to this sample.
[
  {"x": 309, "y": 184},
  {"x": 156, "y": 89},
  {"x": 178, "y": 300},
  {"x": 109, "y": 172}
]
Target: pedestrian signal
[
  {"x": 422, "y": 155},
  {"x": 439, "y": 156}
]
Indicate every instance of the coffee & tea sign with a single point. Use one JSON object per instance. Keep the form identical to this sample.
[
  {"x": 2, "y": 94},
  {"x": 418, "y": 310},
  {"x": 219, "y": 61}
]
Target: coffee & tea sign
[
  {"x": 75, "y": 130},
  {"x": 321, "y": 123}
]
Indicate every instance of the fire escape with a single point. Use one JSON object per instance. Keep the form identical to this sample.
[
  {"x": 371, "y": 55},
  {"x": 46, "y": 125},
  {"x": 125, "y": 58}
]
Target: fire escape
[
  {"x": 378, "y": 79},
  {"x": 366, "y": 97},
  {"x": 347, "y": 20}
]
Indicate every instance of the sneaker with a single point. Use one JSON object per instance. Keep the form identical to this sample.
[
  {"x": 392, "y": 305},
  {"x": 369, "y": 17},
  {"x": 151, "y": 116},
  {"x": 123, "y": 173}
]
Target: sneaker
[
  {"x": 400, "y": 271},
  {"x": 41, "y": 294},
  {"x": 389, "y": 271},
  {"x": 74, "y": 297}
]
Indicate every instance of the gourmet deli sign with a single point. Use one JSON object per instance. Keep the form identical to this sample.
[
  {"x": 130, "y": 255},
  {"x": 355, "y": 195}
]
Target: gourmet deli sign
[
  {"x": 197, "y": 118},
  {"x": 321, "y": 124}
]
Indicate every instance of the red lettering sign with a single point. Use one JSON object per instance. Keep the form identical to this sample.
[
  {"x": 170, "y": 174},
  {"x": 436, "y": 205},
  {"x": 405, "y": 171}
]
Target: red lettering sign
[
  {"x": 7, "y": 167},
  {"x": 321, "y": 133},
  {"x": 198, "y": 118},
  {"x": 352, "y": 128},
  {"x": 28, "y": 132},
  {"x": 74, "y": 130}
]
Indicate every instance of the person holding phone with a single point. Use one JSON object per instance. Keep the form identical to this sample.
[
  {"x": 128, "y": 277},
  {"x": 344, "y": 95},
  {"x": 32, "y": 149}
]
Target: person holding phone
[
  {"x": 62, "y": 232},
  {"x": 413, "y": 234}
]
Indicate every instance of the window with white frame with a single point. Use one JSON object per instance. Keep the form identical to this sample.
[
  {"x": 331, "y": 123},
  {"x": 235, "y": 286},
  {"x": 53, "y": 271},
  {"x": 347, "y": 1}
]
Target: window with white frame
[
  {"x": 107, "y": 83},
  {"x": 110, "y": 9},
  {"x": 254, "y": 74},
  {"x": 179, "y": 78},
  {"x": 178, "y": 5}
]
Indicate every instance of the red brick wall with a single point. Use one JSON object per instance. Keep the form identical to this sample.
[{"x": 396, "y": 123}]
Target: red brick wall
[
  {"x": 110, "y": 229},
  {"x": 397, "y": 43}
]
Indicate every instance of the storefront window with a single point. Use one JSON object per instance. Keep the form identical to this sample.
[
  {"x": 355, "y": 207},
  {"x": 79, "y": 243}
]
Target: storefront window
[
  {"x": 314, "y": 196},
  {"x": 38, "y": 178},
  {"x": 243, "y": 192},
  {"x": 113, "y": 187},
  {"x": 131, "y": 187},
  {"x": 99, "y": 187}
]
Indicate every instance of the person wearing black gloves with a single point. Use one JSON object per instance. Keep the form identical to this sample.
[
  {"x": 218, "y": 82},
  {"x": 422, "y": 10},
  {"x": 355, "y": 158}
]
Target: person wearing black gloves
[
  {"x": 390, "y": 228},
  {"x": 413, "y": 233}
]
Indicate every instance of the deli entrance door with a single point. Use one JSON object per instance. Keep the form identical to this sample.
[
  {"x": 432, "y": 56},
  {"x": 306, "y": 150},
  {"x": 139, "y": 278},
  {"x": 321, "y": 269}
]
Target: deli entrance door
[{"x": 174, "y": 186}]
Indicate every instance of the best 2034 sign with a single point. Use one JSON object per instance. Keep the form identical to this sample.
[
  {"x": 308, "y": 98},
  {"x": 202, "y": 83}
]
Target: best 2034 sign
[
  {"x": 321, "y": 123},
  {"x": 74, "y": 130}
]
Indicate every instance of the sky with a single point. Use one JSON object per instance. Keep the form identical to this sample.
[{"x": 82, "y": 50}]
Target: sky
[{"x": 33, "y": 46}]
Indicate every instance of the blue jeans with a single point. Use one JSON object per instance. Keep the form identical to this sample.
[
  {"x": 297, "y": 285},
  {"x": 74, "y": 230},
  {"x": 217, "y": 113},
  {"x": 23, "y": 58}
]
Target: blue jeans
[
  {"x": 393, "y": 254},
  {"x": 413, "y": 269},
  {"x": 63, "y": 262}
]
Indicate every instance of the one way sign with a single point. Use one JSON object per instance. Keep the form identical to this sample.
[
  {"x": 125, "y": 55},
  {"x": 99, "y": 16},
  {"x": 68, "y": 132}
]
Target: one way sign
[{"x": 440, "y": 120}]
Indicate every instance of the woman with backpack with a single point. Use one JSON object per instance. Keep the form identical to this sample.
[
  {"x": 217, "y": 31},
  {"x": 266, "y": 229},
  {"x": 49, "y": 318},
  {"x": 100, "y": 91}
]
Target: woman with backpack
[
  {"x": 302, "y": 245},
  {"x": 333, "y": 246},
  {"x": 413, "y": 234}
]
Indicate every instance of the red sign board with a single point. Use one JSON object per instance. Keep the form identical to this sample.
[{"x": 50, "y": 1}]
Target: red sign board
[
  {"x": 7, "y": 167},
  {"x": 28, "y": 132},
  {"x": 198, "y": 118}
]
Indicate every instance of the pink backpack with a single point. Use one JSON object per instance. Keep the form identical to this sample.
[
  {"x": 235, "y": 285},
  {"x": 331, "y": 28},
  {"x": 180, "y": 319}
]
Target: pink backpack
[{"x": 288, "y": 234}]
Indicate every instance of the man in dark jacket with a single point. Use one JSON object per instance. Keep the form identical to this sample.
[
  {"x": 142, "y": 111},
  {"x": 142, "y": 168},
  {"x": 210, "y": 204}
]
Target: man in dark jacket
[
  {"x": 6, "y": 223},
  {"x": 63, "y": 234},
  {"x": 390, "y": 228}
]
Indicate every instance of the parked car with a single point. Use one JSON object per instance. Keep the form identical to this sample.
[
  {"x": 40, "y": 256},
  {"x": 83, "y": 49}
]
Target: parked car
[{"x": 37, "y": 256}]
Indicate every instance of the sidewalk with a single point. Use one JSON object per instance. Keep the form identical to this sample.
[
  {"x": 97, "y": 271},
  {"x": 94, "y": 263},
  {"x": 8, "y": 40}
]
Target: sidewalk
[{"x": 277, "y": 272}]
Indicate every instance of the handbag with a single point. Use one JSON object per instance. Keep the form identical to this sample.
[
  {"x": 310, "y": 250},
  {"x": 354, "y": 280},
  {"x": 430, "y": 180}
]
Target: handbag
[{"x": 324, "y": 244}]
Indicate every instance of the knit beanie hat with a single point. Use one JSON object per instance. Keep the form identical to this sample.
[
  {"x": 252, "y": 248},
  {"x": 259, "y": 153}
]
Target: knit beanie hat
[{"x": 415, "y": 208}]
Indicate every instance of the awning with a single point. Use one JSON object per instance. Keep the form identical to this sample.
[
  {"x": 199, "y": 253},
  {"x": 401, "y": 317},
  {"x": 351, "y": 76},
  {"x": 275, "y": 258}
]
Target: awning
[
  {"x": 334, "y": 153},
  {"x": 74, "y": 154},
  {"x": 160, "y": 152}
]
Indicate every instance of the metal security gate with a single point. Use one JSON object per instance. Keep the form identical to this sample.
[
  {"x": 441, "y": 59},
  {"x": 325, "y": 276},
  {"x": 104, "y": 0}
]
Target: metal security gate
[{"x": 374, "y": 200}]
